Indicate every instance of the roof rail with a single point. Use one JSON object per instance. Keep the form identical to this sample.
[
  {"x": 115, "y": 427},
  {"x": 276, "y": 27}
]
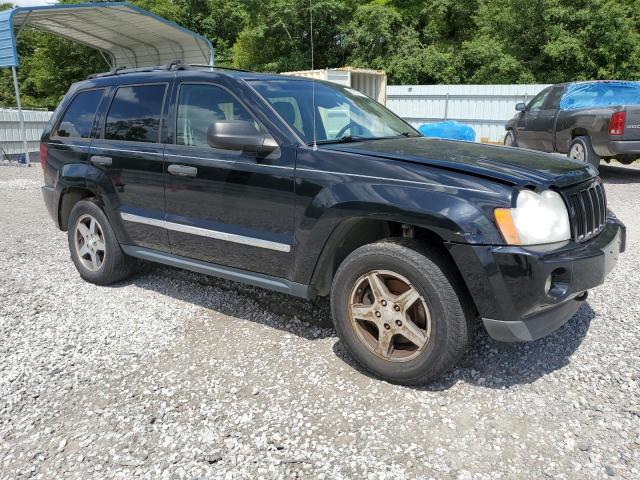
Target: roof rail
[
  {"x": 216, "y": 67},
  {"x": 176, "y": 64}
]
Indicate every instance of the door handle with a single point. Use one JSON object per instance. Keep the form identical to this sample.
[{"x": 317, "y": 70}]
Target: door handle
[
  {"x": 183, "y": 171},
  {"x": 100, "y": 160}
]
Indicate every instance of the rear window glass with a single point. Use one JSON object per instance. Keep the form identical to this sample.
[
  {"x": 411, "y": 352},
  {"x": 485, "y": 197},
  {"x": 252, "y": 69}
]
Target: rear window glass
[
  {"x": 135, "y": 114},
  {"x": 601, "y": 94},
  {"x": 78, "y": 118}
]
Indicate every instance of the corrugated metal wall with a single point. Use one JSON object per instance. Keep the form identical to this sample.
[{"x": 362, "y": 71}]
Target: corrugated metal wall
[
  {"x": 484, "y": 107},
  {"x": 34, "y": 122}
]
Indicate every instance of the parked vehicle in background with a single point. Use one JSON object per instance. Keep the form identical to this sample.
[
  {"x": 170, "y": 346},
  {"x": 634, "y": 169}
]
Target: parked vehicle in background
[
  {"x": 588, "y": 121},
  {"x": 313, "y": 189}
]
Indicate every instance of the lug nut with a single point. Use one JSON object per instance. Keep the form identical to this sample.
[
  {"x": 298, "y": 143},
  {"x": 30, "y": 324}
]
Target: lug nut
[
  {"x": 384, "y": 303},
  {"x": 396, "y": 308},
  {"x": 387, "y": 326},
  {"x": 399, "y": 323},
  {"x": 378, "y": 314}
]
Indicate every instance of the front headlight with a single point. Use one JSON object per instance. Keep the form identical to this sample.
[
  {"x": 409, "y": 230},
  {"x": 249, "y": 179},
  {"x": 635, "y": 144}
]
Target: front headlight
[{"x": 537, "y": 218}]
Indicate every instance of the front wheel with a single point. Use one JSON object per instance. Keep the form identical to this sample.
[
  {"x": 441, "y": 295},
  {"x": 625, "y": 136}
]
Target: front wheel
[
  {"x": 581, "y": 150},
  {"x": 510, "y": 140},
  {"x": 401, "y": 311}
]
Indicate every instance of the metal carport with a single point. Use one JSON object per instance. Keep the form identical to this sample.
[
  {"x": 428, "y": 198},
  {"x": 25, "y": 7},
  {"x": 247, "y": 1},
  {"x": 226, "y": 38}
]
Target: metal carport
[{"x": 126, "y": 35}]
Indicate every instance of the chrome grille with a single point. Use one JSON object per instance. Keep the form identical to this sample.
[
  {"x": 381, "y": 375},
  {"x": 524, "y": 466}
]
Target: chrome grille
[{"x": 587, "y": 210}]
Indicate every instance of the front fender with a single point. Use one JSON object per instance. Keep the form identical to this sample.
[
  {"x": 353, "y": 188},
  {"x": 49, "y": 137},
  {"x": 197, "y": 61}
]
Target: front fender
[{"x": 454, "y": 215}]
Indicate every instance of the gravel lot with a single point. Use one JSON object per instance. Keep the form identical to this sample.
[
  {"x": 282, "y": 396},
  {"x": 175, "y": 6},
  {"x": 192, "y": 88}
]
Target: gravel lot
[{"x": 176, "y": 375}]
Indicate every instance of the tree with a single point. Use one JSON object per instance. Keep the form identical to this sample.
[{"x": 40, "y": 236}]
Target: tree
[
  {"x": 415, "y": 41},
  {"x": 278, "y": 39}
]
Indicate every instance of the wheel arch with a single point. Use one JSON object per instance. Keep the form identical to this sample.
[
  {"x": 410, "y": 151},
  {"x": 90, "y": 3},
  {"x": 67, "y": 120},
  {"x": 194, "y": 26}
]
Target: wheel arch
[
  {"x": 356, "y": 232},
  {"x": 579, "y": 132},
  {"x": 68, "y": 199}
]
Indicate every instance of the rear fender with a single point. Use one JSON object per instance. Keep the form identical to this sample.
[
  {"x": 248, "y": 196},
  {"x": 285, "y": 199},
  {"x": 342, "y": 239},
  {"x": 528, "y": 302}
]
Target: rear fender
[{"x": 74, "y": 176}]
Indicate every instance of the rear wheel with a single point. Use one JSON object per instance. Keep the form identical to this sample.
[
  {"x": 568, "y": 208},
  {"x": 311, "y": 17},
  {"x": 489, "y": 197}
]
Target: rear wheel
[
  {"x": 510, "y": 140},
  {"x": 95, "y": 251},
  {"x": 582, "y": 151},
  {"x": 401, "y": 311}
]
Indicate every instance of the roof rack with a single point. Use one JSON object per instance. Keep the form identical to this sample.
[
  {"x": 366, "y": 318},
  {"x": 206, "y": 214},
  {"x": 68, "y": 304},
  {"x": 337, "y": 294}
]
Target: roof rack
[
  {"x": 176, "y": 64},
  {"x": 216, "y": 67},
  {"x": 172, "y": 65}
]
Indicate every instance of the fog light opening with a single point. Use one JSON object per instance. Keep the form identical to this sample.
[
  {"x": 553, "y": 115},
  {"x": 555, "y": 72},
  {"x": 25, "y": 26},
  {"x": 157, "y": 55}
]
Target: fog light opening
[{"x": 557, "y": 283}]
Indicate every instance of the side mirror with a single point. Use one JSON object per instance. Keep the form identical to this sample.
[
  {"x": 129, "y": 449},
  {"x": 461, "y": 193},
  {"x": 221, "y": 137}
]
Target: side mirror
[
  {"x": 239, "y": 135},
  {"x": 521, "y": 106}
]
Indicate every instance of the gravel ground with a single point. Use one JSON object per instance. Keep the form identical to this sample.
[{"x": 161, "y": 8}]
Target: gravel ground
[{"x": 176, "y": 375}]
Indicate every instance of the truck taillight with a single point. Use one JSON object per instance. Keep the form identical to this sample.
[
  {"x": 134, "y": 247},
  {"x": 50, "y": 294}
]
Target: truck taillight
[
  {"x": 44, "y": 153},
  {"x": 616, "y": 124}
]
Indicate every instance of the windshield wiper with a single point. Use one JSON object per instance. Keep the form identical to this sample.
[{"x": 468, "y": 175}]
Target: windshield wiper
[
  {"x": 343, "y": 139},
  {"x": 410, "y": 134}
]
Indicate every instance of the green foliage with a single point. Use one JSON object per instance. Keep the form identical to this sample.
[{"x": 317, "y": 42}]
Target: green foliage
[
  {"x": 414, "y": 41},
  {"x": 276, "y": 35}
]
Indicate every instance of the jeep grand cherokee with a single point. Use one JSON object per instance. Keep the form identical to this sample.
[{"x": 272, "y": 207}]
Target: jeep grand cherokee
[{"x": 313, "y": 189}]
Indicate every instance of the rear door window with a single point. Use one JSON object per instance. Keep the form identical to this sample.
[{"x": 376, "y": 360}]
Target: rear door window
[
  {"x": 135, "y": 114},
  {"x": 77, "y": 120}
]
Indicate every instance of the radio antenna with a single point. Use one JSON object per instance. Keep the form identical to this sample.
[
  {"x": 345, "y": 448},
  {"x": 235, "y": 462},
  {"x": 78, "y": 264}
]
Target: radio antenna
[{"x": 313, "y": 80}]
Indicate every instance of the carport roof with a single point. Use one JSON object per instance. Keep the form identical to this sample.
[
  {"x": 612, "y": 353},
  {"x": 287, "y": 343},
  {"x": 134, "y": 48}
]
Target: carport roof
[{"x": 128, "y": 36}]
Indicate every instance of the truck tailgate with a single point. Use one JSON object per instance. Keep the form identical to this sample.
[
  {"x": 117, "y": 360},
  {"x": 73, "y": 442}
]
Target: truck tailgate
[{"x": 632, "y": 123}]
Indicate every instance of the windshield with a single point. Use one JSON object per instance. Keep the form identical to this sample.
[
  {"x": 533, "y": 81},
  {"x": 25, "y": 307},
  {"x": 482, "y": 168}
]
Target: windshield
[{"x": 341, "y": 114}]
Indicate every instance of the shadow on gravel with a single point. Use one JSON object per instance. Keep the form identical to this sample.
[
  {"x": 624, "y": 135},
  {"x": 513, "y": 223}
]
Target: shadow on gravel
[
  {"x": 308, "y": 319},
  {"x": 488, "y": 363},
  {"x": 496, "y": 365},
  {"x": 619, "y": 175}
]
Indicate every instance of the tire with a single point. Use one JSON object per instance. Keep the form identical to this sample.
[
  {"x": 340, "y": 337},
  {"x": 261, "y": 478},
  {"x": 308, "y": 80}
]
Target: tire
[
  {"x": 510, "y": 140},
  {"x": 581, "y": 150},
  {"x": 102, "y": 261},
  {"x": 442, "y": 313}
]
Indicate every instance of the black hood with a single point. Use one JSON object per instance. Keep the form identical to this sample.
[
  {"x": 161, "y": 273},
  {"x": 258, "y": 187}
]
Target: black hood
[{"x": 509, "y": 165}]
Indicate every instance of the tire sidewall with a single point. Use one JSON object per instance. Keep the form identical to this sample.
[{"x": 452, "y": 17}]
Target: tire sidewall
[{"x": 431, "y": 358}]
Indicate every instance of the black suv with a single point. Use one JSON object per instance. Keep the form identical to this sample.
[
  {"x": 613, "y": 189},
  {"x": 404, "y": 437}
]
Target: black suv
[{"x": 313, "y": 189}]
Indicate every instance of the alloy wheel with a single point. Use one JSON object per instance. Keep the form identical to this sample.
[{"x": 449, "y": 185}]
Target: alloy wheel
[
  {"x": 389, "y": 316},
  {"x": 577, "y": 152},
  {"x": 90, "y": 243},
  {"x": 508, "y": 141}
]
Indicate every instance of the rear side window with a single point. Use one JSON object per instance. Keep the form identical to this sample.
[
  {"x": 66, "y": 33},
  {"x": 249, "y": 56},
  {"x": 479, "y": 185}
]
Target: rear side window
[
  {"x": 78, "y": 118},
  {"x": 135, "y": 114}
]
